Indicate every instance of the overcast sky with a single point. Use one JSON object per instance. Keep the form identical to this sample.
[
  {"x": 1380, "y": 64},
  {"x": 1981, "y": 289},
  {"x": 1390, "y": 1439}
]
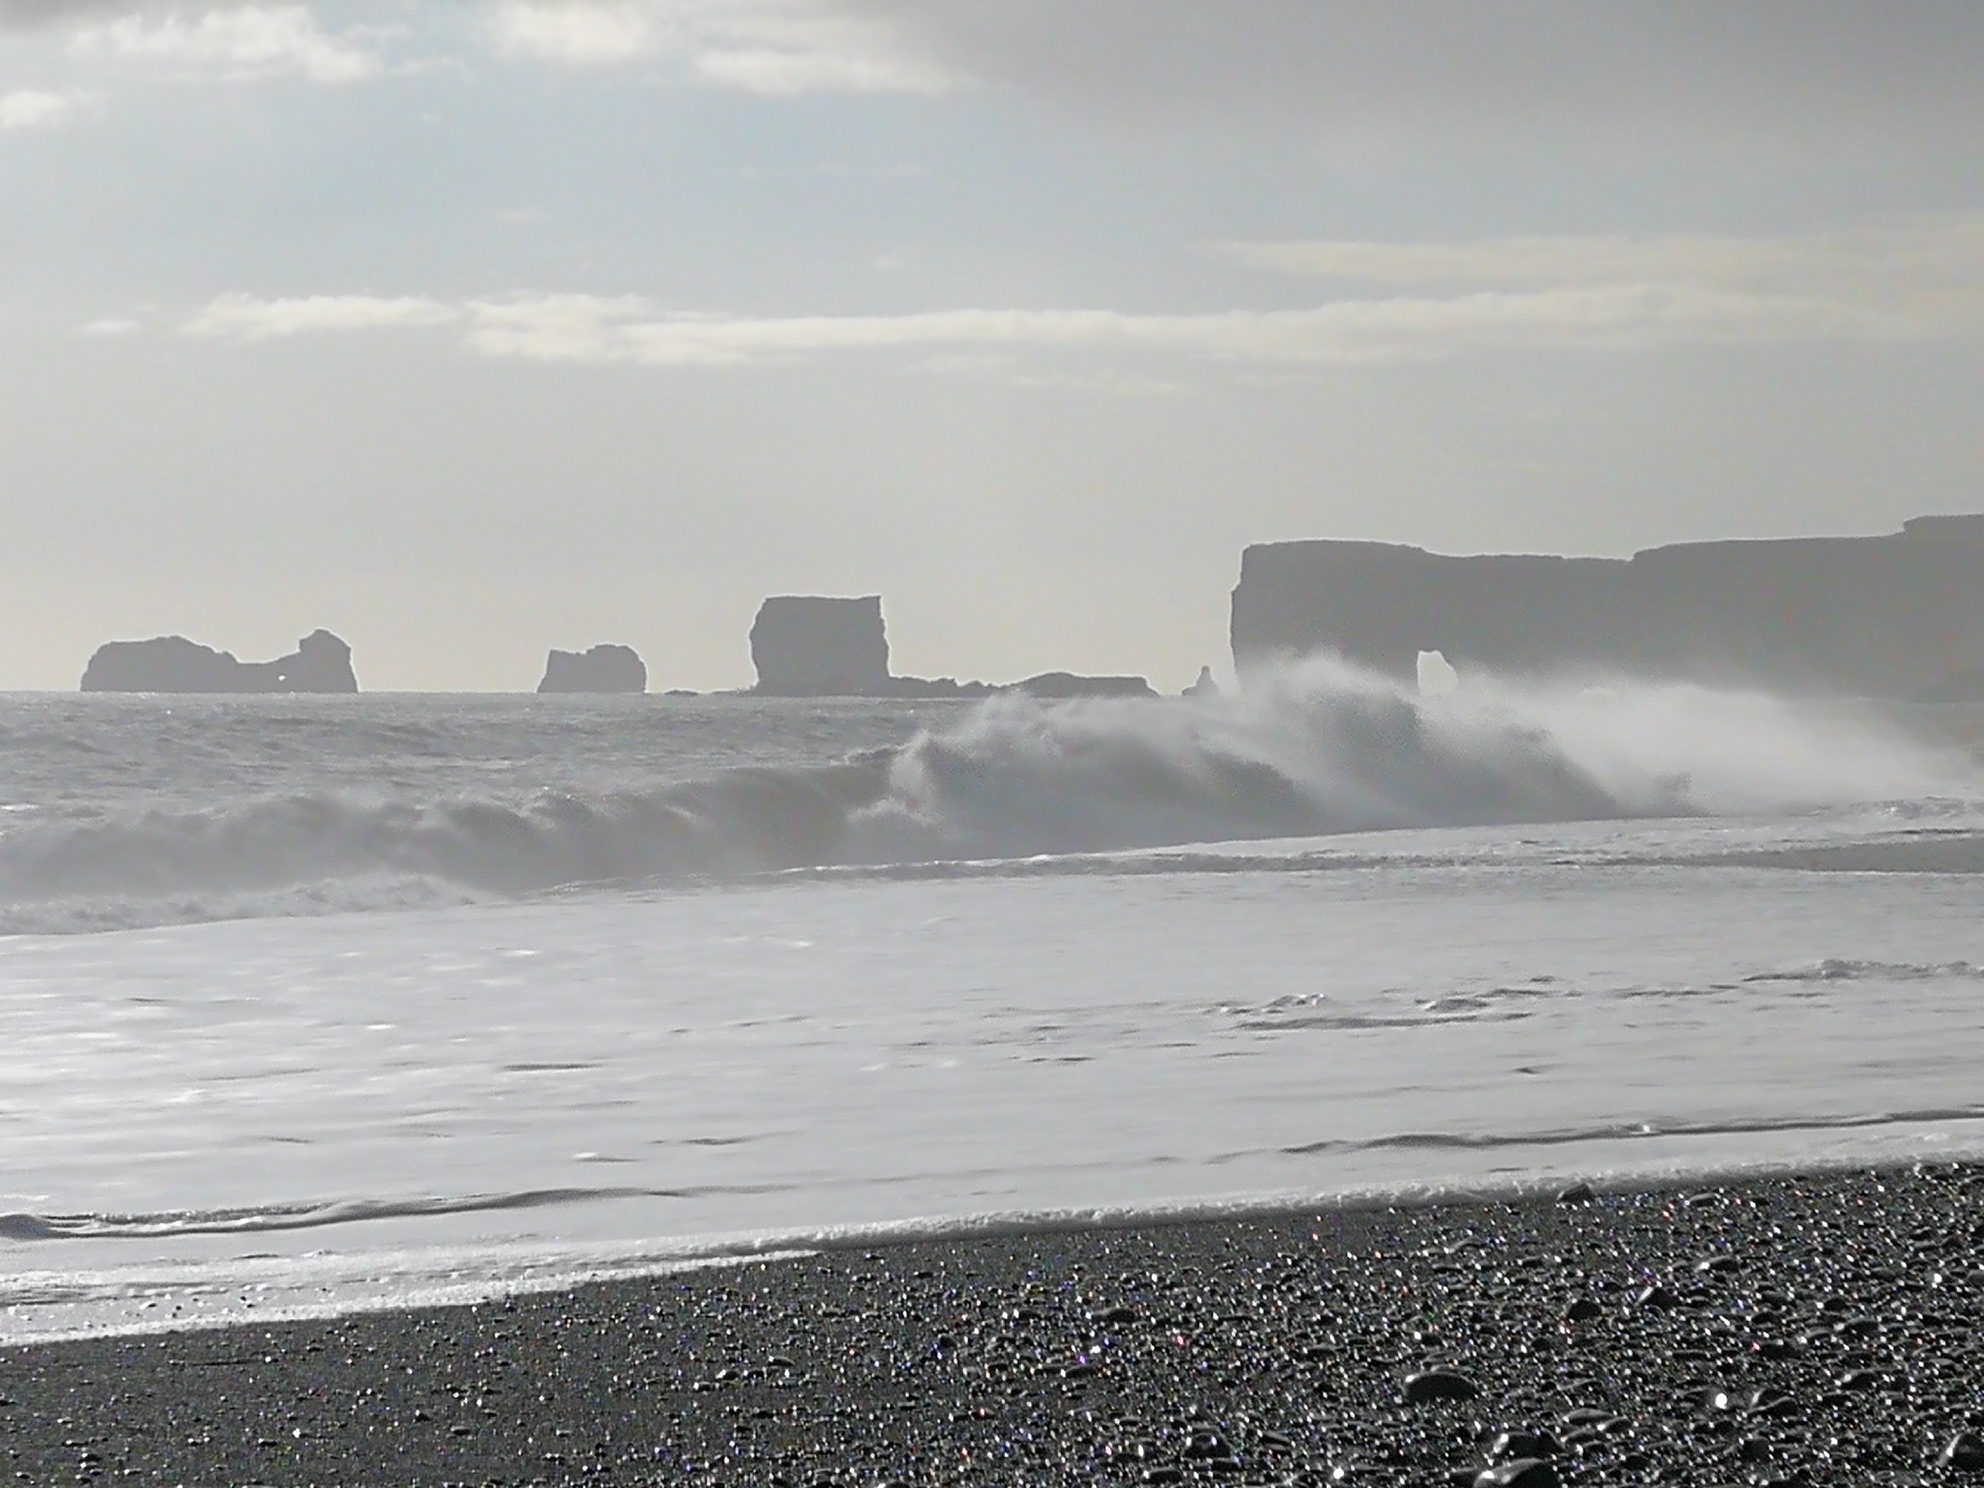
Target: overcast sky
[{"x": 476, "y": 327}]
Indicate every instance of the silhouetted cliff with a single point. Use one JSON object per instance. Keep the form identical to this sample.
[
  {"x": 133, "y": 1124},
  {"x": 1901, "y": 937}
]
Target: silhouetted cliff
[
  {"x": 1069, "y": 685},
  {"x": 320, "y": 663},
  {"x": 810, "y": 646},
  {"x": 600, "y": 669},
  {"x": 1897, "y": 616}
]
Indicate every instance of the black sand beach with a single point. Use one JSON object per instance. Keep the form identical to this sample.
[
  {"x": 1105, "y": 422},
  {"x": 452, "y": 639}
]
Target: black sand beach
[{"x": 1792, "y": 1331}]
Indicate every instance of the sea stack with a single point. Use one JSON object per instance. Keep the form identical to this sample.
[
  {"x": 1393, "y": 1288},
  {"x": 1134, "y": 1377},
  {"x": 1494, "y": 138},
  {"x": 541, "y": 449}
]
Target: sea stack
[
  {"x": 1072, "y": 685},
  {"x": 320, "y": 663},
  {"x": 1899, "y": 616},
  {"x": 815, "y": 646},
  {"x": 605, "y": 668}
]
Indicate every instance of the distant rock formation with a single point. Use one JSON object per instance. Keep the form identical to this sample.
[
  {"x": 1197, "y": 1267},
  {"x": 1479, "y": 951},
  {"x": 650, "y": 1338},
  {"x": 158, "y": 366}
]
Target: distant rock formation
[
  {"x": 810, "y": 646},
  {"x": 600, "y": 669},
  {"x": 1069, "y": 685},
  {"x": 1959, "y": 526},
  {"x": 1900, "y": 616},
  {"x": 1204, "y": 687},
  {"x": 938, "y": 688},
  {"x": 320, "y": 663}
]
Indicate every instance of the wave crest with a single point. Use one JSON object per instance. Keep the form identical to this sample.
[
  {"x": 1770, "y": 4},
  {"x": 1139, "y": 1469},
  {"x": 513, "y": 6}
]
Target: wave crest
[{"x": 1315, "y": 750}]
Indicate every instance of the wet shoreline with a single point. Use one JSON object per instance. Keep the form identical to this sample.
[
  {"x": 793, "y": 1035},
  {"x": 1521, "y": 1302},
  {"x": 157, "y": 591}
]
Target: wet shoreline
[{"x": 1791, "y": 1330}]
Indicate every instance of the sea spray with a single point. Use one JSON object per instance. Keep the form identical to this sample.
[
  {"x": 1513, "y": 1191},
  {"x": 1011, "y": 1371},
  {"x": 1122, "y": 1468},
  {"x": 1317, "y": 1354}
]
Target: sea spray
[{"x": 1311, "y": 750}]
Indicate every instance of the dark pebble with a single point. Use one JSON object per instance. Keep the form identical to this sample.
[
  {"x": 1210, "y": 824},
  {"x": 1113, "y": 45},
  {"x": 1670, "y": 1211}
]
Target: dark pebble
[
  {"x": 1510, "y": 1445},
  {"x": 1577, "y": 1193},
  {"x": 1964, "y": 1453},
  {"x": 1524, "y": 1472},
  {"x": 1204, "y": 1445},
  {"x": 1435, "y": 1385}
]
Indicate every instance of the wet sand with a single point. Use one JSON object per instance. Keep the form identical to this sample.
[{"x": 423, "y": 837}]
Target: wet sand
[{"x": 1792, "y": 1331}]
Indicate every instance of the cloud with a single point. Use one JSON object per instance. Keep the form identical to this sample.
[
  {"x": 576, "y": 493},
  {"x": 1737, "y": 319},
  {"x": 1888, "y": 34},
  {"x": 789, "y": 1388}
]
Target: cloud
[
  {"x": 1886, "y": 282},
  {"x": 1810, "y": 72},
  {"x": 576, "y": 35},
  {"x": 1901, "y": 255},
  {"x": 241, "y": 317},
  {"x": 578, "y": 328},
  {"x": 1917, "y": 278},
  {"x": 759, "y": 46},
  {"x": 251, "y": 41},
  {"x": 1344, "y": 333},
  {"x": 29, "y": 109},
  {"x": 17, "y": 14},
  {"x": 1920, "y": 280},
  {"x": 1788, "y": 66}
]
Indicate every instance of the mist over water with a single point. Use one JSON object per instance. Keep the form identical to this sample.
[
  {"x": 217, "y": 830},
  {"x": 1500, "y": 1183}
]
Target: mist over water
[
  {"x": 1313, "y": 750},
  {"x": 1322, "y": 748}
]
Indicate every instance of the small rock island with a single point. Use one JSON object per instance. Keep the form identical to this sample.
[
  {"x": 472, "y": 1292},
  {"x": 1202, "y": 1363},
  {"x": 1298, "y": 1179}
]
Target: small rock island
[
  {"x": 807, "y": 645},
  {"x": 820, "y": 646},
  {"x": 604, "y": 668},
  {"x": 1071, "y": 685},
  {"x": 320, "y": 663}
]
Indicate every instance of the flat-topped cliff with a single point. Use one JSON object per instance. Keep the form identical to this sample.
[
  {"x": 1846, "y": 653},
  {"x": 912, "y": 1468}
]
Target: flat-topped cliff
[
  {"x": 820, "y": 646},
  {"x": 1899, "y": 616},
  {"x": 605, "y": 668},
  {"x": 320, "y": 663},
  {"x": 807, "y": 645}
]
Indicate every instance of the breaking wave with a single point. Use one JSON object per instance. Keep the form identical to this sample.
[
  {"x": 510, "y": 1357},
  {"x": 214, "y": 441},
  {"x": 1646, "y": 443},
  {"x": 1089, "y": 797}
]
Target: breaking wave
[{"x": 1316, "y": 750}]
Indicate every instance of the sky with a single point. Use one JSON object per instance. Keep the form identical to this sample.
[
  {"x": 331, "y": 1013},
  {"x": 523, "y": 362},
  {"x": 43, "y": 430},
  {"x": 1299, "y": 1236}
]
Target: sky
[{"x": 472, "y": 328}]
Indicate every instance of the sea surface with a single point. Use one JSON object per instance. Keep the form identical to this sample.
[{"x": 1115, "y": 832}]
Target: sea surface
[{"x": 310, "y": 1003}]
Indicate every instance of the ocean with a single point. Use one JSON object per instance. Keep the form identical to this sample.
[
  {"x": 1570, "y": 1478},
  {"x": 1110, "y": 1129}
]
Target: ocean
[{"x": 316, "y": 1003}]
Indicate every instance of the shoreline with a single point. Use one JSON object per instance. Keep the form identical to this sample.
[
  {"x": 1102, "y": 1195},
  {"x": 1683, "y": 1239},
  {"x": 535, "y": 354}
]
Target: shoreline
[
  {"x": 489, "y": 1272},
  {"x": 1785, "y": 1328}
]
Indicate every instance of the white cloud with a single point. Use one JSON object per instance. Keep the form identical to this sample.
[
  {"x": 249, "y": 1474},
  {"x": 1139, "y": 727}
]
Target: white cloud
[
  {"x": 759, "y": 46},
  {"x": 788, "y": 72},
  {"x": 1893, "y": 283},
  {"x": 1911, "y": 254},
  {"x": 583, "y": 328},
  {"x": 1346, "y": 332},
  {"x": 29, "y": 109},
  {"x": 1920, "y": 278},
  {"x": 251, "y": 41},
  {"x": 109, "y": 325},
  {"x": 244, "y": 318},
  {"x": 576, "y": 35},
  {"x": 1809, "y": 73}
]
